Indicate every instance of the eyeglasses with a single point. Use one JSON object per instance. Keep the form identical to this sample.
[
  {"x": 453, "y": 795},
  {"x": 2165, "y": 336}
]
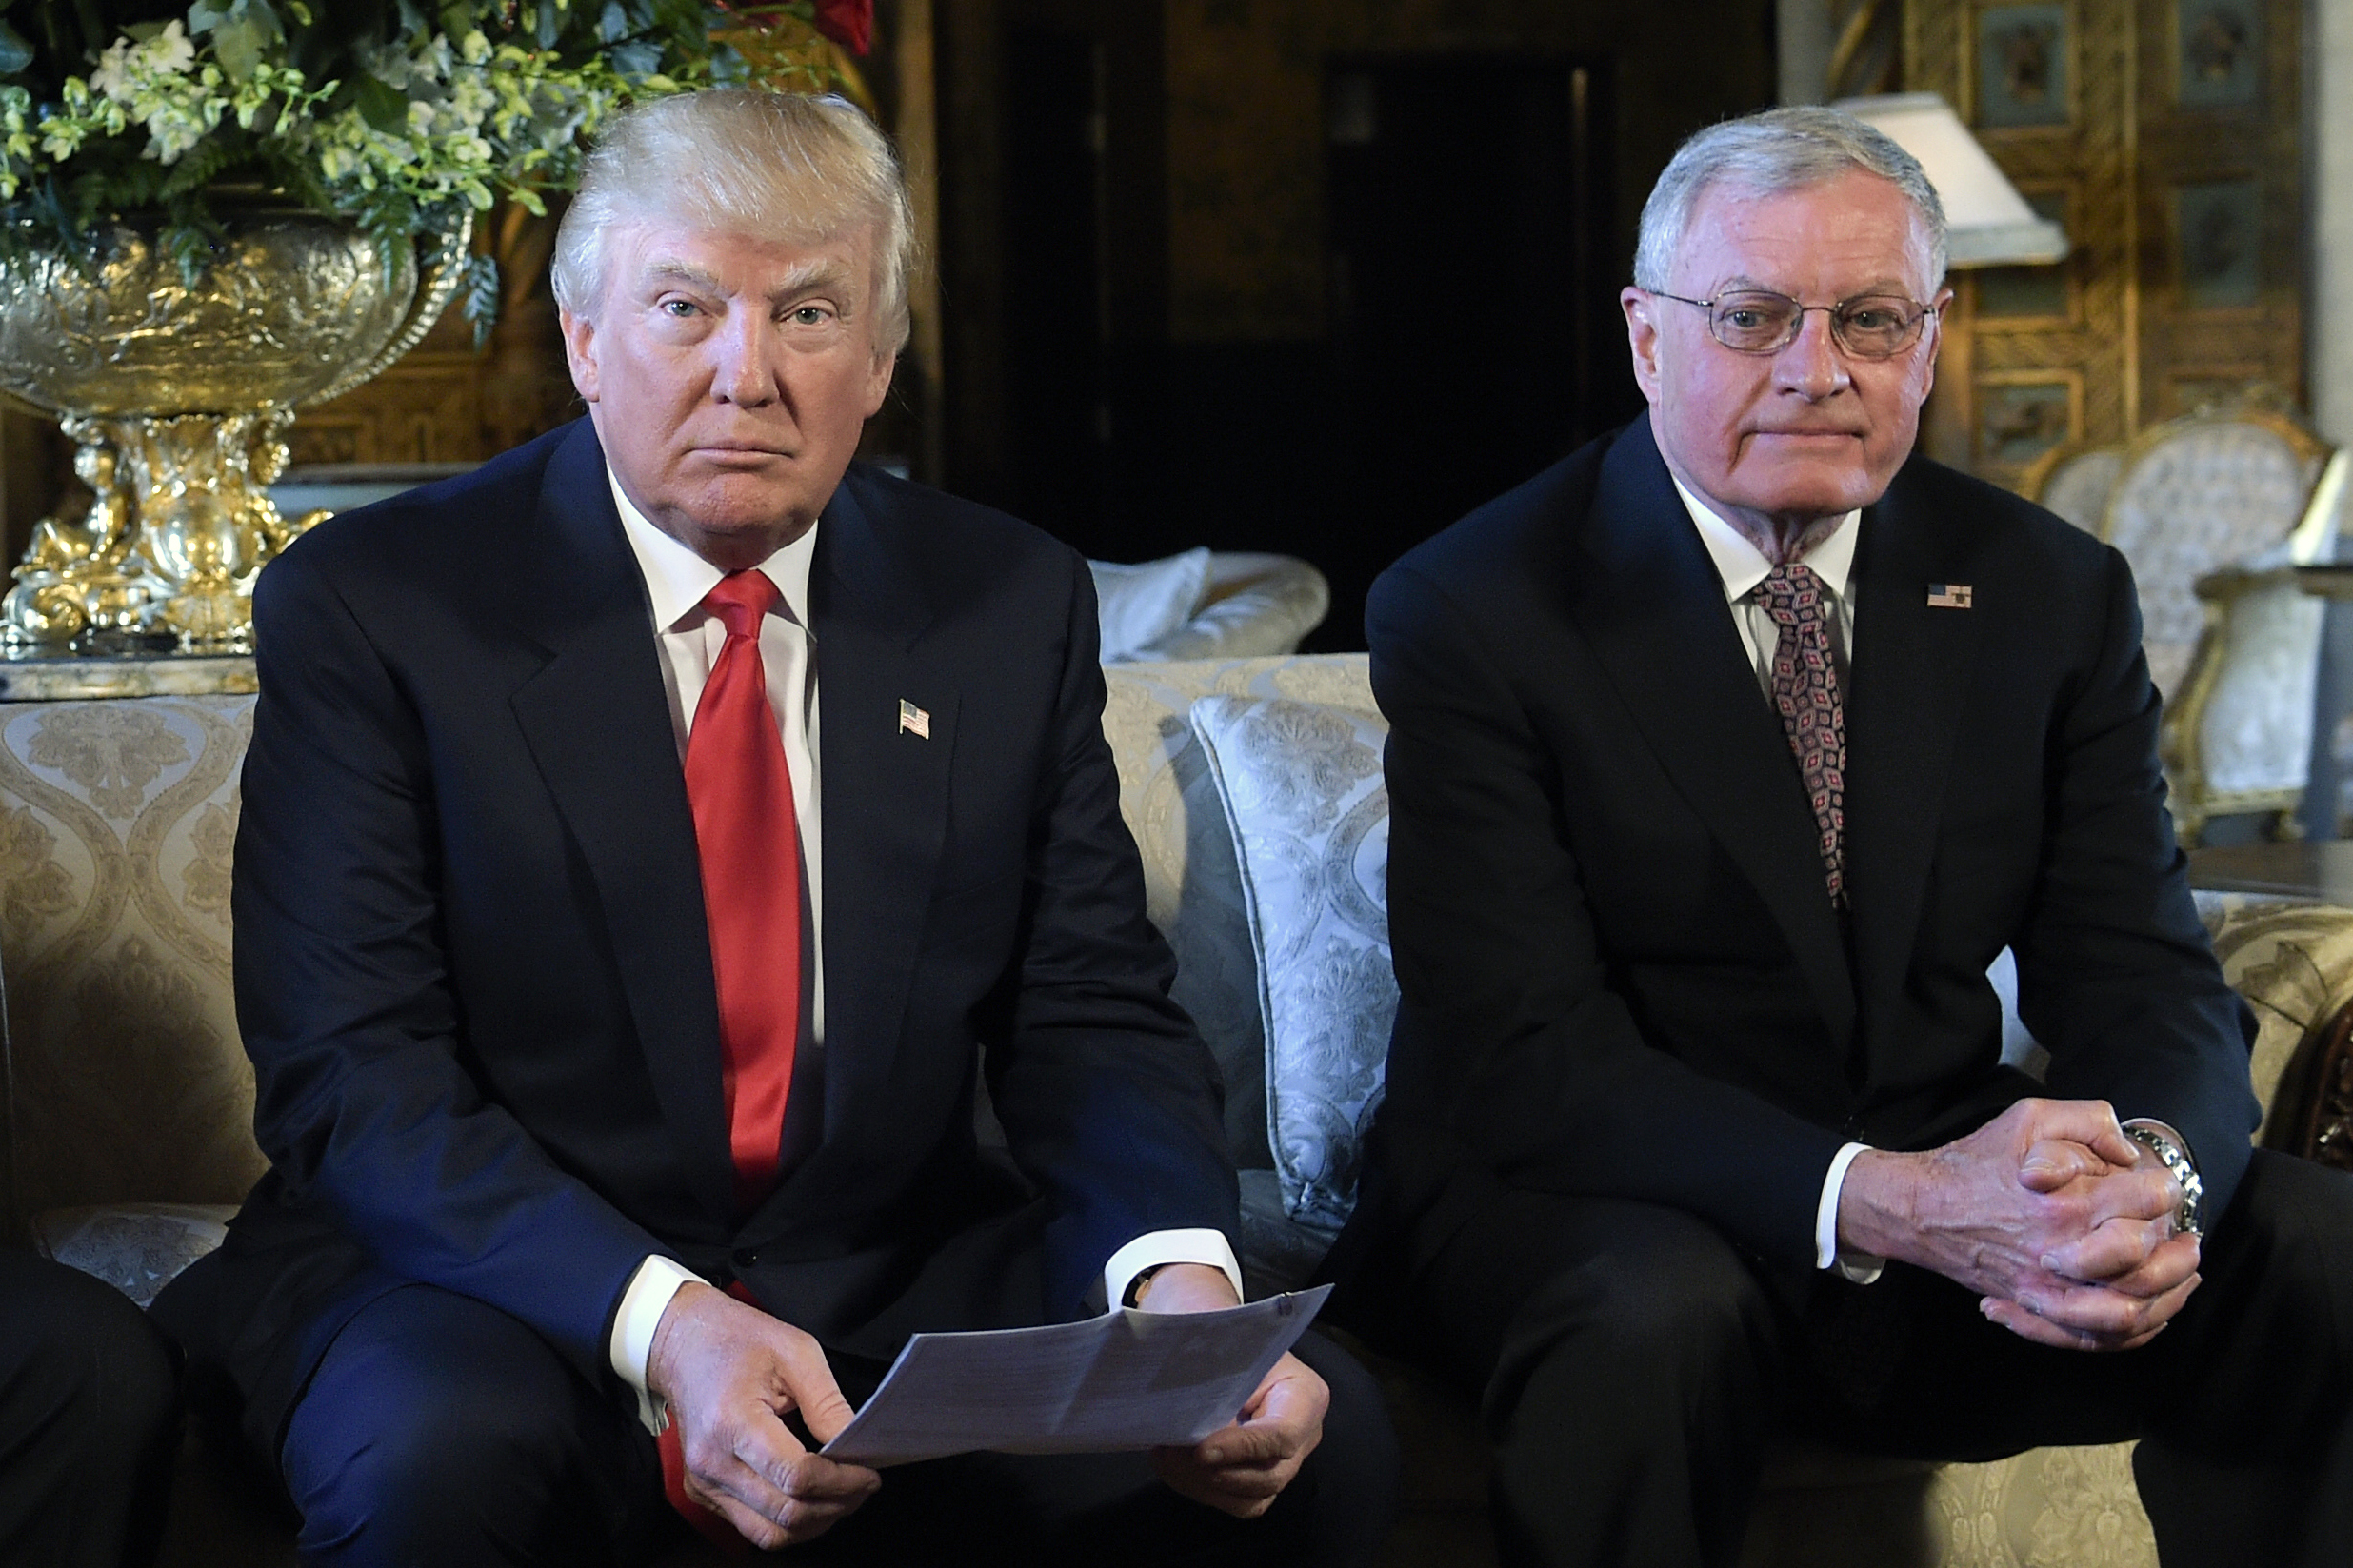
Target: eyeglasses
[{"x": 1758, "y": 322}]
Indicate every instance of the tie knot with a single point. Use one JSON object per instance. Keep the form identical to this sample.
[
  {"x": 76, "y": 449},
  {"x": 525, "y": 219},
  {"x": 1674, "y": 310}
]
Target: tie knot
[
  {"x": 1792, "y": 595},
  {"x": 740, "y": 598}
]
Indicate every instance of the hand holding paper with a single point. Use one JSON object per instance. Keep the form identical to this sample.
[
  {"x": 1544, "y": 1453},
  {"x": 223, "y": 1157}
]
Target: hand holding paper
[
  {"x": 1127, "y": 1379},
  {"x": 1241, "y": 1467}
]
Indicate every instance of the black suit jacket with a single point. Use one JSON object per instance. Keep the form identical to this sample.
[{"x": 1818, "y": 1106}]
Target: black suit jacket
[
  {"x": 1620, "y": 972},
  {"x": 473, "y": 972}
]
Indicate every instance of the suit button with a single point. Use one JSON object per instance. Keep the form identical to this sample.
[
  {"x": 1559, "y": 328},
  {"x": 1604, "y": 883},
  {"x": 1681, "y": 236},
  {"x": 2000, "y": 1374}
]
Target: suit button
[{"x": 744, "y": 1257}]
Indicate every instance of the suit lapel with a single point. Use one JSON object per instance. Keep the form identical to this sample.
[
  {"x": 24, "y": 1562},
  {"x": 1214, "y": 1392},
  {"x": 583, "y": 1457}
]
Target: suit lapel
[
  {"x": 597, "y": 720},
  {"x": 1912, "y": 665},
  {"x": 1654, "y": 612},
  {"x": 885, "y": 810}
]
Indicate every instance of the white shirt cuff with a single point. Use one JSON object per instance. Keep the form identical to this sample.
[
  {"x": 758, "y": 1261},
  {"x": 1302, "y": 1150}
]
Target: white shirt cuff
[
  {"x": 642, "y": 1304},
  {"x": 1157, "y": 1247},
  {"x": 1859, "y": 1266}
]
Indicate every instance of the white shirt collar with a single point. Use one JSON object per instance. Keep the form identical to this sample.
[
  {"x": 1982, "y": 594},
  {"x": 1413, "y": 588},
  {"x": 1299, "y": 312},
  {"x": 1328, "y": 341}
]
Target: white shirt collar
[
  {"x": 677, "y": 579},
  {"x": 1743, "y": 565}
]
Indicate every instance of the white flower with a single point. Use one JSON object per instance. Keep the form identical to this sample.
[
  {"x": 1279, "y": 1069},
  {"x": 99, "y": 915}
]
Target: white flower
[
  {"x": 420, "y": 118},
  {"x": 170, "y": 49},
  {"x": 112, "y": 76}
]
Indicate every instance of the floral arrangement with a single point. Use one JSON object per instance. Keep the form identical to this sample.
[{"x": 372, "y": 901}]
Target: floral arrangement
[{"x": 399, "y": 115}]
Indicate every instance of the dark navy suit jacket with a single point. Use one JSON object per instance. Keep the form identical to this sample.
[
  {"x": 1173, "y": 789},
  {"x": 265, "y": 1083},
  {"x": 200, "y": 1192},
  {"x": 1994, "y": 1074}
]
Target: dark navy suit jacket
[
  {"x": 473, "y": 972},
  {"x": 1620, "y": 972}
]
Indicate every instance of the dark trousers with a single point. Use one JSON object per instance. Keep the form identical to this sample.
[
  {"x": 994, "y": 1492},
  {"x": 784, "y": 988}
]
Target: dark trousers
[
  {"x": 440, "y": 1430},
  {"x": 88, "y": 1420},
  {"x": 1632, "y": 1366}
]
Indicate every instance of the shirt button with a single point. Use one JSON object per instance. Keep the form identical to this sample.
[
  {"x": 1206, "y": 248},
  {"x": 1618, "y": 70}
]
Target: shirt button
[{"x": 744, "y": 1257}]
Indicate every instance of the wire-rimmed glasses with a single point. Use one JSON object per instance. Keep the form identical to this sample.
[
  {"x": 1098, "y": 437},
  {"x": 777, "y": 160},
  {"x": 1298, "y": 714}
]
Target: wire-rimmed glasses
[{"x": 1757, "y": 321}]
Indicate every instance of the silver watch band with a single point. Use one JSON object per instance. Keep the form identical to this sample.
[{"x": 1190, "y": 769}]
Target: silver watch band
[{"x": 2185, "y": 1172}]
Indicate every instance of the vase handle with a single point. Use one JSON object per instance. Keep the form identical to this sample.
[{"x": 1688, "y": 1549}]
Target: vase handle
[{"x": 437, "y": 279}]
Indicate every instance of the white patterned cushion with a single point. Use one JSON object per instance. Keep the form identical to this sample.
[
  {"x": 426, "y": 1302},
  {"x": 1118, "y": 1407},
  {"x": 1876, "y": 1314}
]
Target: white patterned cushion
[
  {"x": 1301, "y": 787},
  {"x": 1191, "y": 889},
  {"x": 138, "y": 1248},
  {"x": 1138, "y": 605}
]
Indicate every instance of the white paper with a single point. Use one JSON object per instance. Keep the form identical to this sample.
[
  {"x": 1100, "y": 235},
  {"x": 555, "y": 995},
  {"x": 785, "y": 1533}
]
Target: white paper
[{"x": 1127, "y": 1379}]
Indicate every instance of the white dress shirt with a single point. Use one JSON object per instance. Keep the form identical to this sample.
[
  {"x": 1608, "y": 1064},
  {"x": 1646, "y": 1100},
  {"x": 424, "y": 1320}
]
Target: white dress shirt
[
  {"x": 690, "y": 638},
  {"x": 1743, "y": 567}
]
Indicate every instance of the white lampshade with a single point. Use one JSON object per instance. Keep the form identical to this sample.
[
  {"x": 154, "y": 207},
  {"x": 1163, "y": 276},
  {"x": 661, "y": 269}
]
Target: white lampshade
[{"x": 1988, "y": 222}]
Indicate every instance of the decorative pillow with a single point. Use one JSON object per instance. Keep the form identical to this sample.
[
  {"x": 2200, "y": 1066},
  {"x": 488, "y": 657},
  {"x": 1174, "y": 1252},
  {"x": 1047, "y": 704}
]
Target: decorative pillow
[
  {"x": 1301, "y": 784},
  {"x": 1137, "y": 605},
  {"x": 138, "y": 1248}
]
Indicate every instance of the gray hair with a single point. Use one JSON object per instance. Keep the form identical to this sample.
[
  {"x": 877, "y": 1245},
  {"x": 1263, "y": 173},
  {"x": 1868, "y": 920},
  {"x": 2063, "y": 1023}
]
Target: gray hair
[
  {"x": 781, "y": 165},
  {"x": 1769, "y": 153}
]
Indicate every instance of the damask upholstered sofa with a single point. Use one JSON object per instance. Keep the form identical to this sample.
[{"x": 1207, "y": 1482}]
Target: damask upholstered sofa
[{"x": 1254, "y": 791}]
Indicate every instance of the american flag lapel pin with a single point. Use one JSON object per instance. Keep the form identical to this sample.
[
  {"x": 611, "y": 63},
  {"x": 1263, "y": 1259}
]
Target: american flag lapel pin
[
  {"x": 914, "y": 721},
  {"x": 1949, "y": 596}
]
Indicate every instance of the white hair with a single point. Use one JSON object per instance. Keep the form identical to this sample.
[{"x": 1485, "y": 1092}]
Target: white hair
[
  {"x": 1778, "y": 150},
  {"x": 781, "y": 165}
]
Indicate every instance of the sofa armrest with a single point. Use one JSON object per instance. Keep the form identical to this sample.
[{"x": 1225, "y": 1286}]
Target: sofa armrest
[{"x": 2293, "y": 962}]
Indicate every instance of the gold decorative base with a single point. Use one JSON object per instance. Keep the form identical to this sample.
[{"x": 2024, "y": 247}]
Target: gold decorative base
[{"x": 178, "y": 524}]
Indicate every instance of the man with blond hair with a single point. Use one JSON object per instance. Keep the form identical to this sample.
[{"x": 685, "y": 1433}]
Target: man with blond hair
[
  {"x": 650, "y": 843},
  {"x": 1727, "y": 755}
]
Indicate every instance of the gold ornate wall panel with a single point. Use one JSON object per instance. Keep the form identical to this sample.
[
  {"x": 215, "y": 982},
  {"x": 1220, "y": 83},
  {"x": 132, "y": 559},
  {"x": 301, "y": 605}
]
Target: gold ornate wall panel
[{"x": 2163, "y": 134}]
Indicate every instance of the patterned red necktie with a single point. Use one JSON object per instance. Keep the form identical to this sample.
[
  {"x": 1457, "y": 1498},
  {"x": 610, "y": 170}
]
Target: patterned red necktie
[
  {"x": 749, "y": 846},
  {"x": 1805, "y": 696}
]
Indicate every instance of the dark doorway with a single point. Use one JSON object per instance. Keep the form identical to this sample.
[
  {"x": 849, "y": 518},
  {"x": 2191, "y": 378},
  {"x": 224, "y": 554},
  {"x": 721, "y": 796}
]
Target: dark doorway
[
  {"x": 1058, "y": 424},
  {"x": 1475, "y": 263}
]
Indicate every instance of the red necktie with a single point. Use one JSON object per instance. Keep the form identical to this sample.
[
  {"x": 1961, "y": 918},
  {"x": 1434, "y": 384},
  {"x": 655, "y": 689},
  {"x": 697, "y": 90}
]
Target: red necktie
[
  {"x": 749, "y": 846},
  {"x": 749, "y": 842},
  {"x": 1805, "y": 696}
]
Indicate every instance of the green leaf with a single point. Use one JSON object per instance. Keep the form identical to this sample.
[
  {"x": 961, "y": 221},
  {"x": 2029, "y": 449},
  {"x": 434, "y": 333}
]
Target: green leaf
[
  {"x": 636, "y": 60},
  {"x": 15, "y": 54},
  {"x": 238, "y": 46},
  {"x": 478, "y": 291},
  {"x": 383, "y": 105},
  {"x": 207, "y": 15},
  {"x": 614, "y": 25}
]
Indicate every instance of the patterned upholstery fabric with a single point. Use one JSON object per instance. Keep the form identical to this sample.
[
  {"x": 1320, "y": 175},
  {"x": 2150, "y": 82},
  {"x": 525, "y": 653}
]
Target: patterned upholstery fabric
[
  {"x": 2203, "y": 494},
  {"x": 2078, "y": 488},
  {"x": 138, "y": 1248},
  {"x": 2255, "y": 732},
  {"x": 1301, "y": 784},
  {"x": 1192, "y": 888},
  {"x": 116, "y": 822}
]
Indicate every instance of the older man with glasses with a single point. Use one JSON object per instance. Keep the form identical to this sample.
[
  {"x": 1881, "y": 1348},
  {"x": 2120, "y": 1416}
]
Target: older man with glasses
[{"x": 1727, "y": 755}]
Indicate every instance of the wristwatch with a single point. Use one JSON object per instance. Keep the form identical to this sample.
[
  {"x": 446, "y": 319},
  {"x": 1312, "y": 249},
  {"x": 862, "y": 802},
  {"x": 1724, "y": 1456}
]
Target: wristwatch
[{"x": 2159, "y": 1141}]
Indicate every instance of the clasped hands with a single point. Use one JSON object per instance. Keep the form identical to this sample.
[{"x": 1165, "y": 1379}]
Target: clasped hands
[
  {"x": 730, "y": 1373},
  {"x": 2063, "y": 1223}
]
